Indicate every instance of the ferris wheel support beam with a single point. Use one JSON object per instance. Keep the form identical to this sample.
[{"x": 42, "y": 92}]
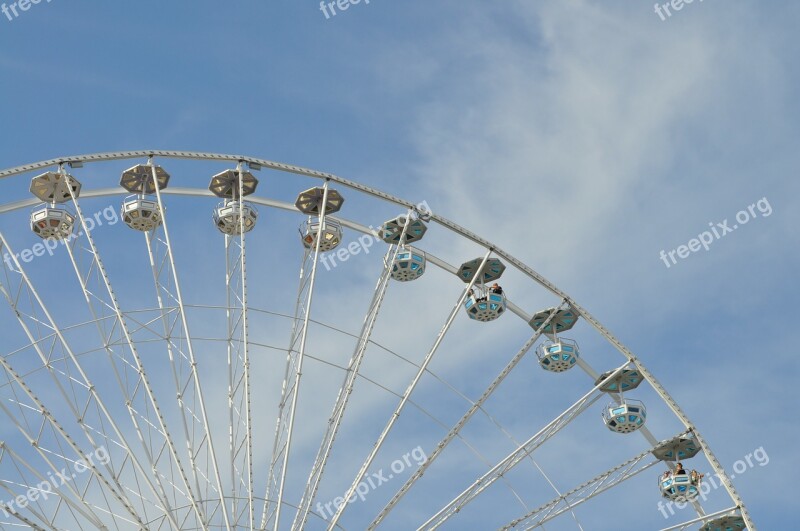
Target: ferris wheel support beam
[
  {"x": 518, "y": 455},
  {"x": 85, "y": 511},
  {"x": 588, "y": 490},
  {"x": 119, "y": 495},
  {"x": 56, "y": 490},
  {"x": 287, "y": 389},
  {"x": 294, "y": 363},
  {"x": 476, "y": 406},
  {"x": 407, "y": 394},
  {"x": 192, "y": 383},
  {"x": 239, "y": 405},
  {"x": 111, "y": 303},
  {"x": 99, "y": 157},
  {"x": 353, "y": 367}
]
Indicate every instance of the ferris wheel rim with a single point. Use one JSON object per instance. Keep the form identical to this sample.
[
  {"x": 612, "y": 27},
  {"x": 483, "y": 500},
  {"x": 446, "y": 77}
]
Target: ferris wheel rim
[{"x": 79, "y": 160}]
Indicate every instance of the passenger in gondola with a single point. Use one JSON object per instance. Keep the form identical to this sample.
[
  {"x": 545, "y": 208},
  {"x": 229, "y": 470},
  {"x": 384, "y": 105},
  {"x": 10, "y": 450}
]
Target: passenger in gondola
[
  {"x": 496, "y": 289},
  {"x": 679, "y": 469}
]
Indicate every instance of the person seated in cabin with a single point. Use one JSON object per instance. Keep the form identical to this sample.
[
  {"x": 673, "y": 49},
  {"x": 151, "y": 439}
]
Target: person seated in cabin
[
  {"x": 679, "y": 469},
  {"x": 496, "y": 289},
  {"x": 696, "y": 477},
  {"x": 481, "y": 295}
]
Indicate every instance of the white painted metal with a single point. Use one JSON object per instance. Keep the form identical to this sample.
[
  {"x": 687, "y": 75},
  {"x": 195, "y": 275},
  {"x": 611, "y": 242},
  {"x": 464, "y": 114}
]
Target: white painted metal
[
  {"x": 336, "y": 417},
  {"x": 422, "y": 368},
  {"x": 294, "y": 373},
  {"x": 515, "y": 457},
  {"x": 116, "y": 490},
  {"x": 238, "y": 355},
  {"x": 586, "y": 491},
  {"x": 187, "y": 387},
  {"x": 122, "y": 317},
  {"x": 455, "y": 430},
  {"x": 103, "y": 297}
]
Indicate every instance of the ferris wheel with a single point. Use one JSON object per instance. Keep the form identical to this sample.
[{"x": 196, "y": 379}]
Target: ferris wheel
[{"x": 204, "y": 366}]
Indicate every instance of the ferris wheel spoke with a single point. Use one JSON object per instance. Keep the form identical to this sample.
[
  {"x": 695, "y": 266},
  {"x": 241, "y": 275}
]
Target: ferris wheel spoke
[
  {"x": 69, "y": 364},
  {"x": 287, "y": 390},
  {"x": 238, "y": 349},
  {"x": 36, "y": 441},
  {"x": 422, "y": 369},
  {"x": 135, "y": 375},
  {"x": 182, "y": 361},
  {"x": 146, "y": 485},
  {"x": 336, "y": 417},
  {"x": 455, "y": 430},
  {"x": 518, "y": 455},
  {"x": 294, "y": 371},
  {"x": 588, "y": 490},
  {"x": 48, "y": 486}
]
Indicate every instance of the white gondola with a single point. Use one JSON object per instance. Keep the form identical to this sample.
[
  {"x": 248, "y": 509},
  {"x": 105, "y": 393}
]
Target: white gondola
[
  {"x": 679, "y": 487},
  {"x": 51, "y": 222},
  {"x": 726, "y": 523},
  {"x": 625, "y": 417},
  {"x": 331, "y": 235},
  {"x": 53, "y": 188},
  {"x": 558, "y": 355},
  {"x": 228, "y": 217},
  {"x": 141, "y": 213},
  {"x": 408, "y": 265},
  {"x": 484, "y": 305}
]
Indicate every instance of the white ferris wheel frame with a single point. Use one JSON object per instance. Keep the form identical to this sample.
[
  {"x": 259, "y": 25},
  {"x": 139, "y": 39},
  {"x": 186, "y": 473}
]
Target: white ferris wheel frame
[{"x": 274, "y": 499}]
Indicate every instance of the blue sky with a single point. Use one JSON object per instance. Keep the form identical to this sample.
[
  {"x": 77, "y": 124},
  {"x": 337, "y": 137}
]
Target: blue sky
[{"x": 582, "y": 137}]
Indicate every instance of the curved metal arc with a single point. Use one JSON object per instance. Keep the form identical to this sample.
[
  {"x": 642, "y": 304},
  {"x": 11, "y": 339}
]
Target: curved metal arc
[{"x": 442, "y": 221}]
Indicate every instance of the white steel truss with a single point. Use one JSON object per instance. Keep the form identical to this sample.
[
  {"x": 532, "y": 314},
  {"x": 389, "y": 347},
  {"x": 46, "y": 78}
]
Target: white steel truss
[
  {"x": 129, "y": 478},
  {"x": 238, "y": 355},
  {"x": 588, "y": 490},
  {"x": 183, "y": 364},
  {"x": 76, "y": 390},
  {"x": 517, "y": 456},
  {"x": 410, "y": 389},
  {"x": 292, "y": 377},
  {"x": 337, "y": 415},
  {"x": 476, "y": 406}
]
